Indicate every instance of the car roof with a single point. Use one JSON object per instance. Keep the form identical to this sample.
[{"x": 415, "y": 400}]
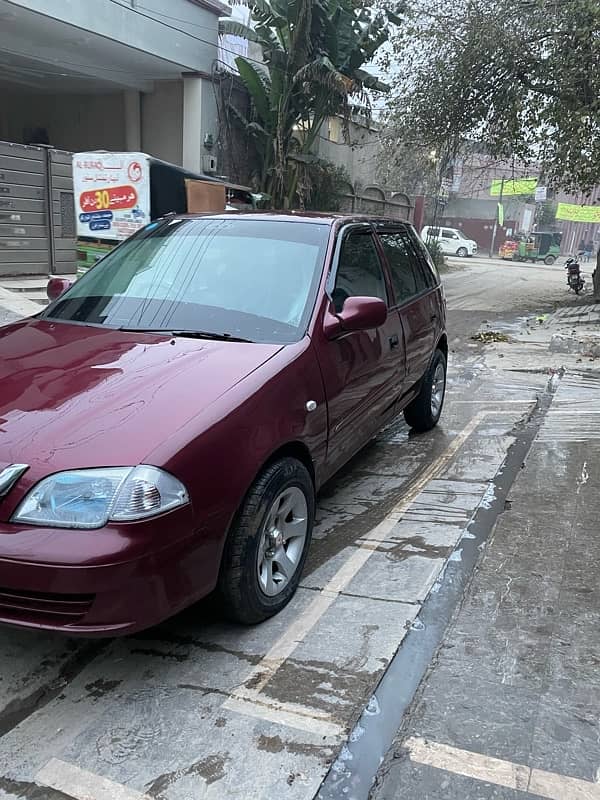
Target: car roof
[{"x": 319, "y": 218}]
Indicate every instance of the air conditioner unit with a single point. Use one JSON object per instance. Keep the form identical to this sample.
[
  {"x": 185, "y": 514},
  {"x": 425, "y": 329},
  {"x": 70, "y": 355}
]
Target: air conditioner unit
[{"x": 209, "y": 165}]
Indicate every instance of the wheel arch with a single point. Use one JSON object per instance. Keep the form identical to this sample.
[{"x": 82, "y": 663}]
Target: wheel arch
[
  {"x": 443, "y": 345},
  {"x": 292, "y": 449}
]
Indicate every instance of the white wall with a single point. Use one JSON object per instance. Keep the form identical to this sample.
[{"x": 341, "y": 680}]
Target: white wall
[
  {"x": 162, "y": 121},
  {"x": 179, "y": 31},
  {"x": 73, "y": 122}
]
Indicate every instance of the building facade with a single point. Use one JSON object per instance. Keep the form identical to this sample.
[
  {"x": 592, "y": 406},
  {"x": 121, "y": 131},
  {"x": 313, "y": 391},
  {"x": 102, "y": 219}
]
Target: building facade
[{"x": 111, "y": 75}]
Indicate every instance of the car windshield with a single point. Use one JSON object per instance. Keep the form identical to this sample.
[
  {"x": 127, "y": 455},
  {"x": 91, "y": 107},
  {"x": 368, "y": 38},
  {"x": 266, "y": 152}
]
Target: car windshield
[{"x": 247, "y": 278}]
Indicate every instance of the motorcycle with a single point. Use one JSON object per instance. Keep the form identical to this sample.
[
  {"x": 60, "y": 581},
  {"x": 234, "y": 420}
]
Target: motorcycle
[{"x": 575, "y": 279}]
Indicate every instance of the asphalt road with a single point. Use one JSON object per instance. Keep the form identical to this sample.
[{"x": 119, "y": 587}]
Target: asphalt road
[
  {"x": 199, "y": 708},
  {"x": 503, "y": 286}
]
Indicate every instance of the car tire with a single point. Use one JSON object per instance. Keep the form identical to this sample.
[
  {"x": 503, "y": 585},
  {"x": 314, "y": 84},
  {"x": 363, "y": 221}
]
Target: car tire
[
  {"x": 462, "y": 252},
  {"x": 424, "y": 411},
  {"x": 549, "y": 260},
  {"x": 244, "y": 587}
]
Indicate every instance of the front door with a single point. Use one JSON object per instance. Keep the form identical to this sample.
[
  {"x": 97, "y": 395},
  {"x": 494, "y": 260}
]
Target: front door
[{"x": 363, "y": 370}]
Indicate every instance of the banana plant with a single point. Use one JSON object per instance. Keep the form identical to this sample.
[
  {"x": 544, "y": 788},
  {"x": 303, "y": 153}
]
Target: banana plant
[{"x": 313, "y": 54}]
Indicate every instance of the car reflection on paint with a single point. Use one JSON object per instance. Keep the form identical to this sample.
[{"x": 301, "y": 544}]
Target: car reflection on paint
[{"x": 166, "y": 422}]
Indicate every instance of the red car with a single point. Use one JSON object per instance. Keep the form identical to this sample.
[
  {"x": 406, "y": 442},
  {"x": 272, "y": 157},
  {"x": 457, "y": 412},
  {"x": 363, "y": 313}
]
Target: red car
[{"x": 166, "y": 422}]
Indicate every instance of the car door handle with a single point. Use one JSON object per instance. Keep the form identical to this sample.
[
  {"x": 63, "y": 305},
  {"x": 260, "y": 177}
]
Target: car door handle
[
  {"x": 394, "y": 341},
  {"x": 434, "y": 317}
]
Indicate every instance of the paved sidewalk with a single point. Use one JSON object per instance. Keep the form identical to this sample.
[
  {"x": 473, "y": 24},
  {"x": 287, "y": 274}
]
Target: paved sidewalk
[
  {"x": 511, "y": 705},
  {"x": 14, "y": 306},
  {"x": 6, "y": 317}
]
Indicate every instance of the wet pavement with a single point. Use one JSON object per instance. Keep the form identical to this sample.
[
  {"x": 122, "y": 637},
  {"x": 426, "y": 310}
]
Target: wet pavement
[
  {"x": 198, "y": 708},
  {"x": 510, "y": 706},
  {"x": 6, "y": 316}
]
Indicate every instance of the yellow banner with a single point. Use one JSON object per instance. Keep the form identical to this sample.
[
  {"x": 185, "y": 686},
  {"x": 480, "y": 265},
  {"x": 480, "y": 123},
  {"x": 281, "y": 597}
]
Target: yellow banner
[
  {"x": 517, "y": 186},
  {"x": 575, "y": 213}
]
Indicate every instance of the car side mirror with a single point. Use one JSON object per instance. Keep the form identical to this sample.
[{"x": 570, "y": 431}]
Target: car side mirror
[
  {"x": 357, "y": 314},
  {"x": 56, "y": 287}
]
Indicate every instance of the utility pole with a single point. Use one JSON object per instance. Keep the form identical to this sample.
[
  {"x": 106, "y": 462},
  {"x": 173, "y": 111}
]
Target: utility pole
[{"x": 495, "y": 228}]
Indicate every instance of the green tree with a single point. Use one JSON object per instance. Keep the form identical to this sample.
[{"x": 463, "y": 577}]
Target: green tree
[
  {"x": 406, "y": 165},
  {"x": 523, "y": 78},
  {"x": 327, "y": 186},
  {"x": 546, "y": 215},
  {"x": 313, "y": 54}
]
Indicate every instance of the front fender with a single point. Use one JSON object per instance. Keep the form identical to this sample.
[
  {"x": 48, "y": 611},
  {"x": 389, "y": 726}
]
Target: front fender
[{"x": 219, "y": 453}]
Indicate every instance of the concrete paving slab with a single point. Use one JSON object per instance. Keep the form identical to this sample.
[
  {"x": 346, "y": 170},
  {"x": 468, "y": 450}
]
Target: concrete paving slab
[
  {"x": 453, "y": 713},
  {"x": 337, "y": 665},
  {"x": 400, "y": 580},
  {"x": 427, "y": 783},
  {"x": 566, "y": 732},
  {"x": 6, "y": 317},
  {"x": 17, "y": 303},
  {"x": 480, "y": 461},
  {"x": 407, "y": 540}
]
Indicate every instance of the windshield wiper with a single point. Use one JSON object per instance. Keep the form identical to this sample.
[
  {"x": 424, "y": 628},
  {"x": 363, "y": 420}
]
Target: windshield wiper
[{"x": 190, "y": 334}]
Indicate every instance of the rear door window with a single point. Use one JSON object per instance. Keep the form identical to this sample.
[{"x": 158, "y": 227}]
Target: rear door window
[
  {"x": 407, "y": 276},
  {"x": 432, "y": 276}
]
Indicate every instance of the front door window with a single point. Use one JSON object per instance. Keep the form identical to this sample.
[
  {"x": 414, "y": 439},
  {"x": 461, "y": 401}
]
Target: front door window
[{"x": 359, "y": 271}]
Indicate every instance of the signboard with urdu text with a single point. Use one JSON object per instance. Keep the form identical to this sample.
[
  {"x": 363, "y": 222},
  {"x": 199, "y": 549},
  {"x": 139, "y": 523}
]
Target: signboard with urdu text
[
  {"x": 575, "y": 213},
  {"x": 513, "y": 187},
  {"x": 112, "y": 194}
]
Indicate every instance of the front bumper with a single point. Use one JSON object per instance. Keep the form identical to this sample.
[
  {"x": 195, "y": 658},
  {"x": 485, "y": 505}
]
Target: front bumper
[{"x": 104, "y": 582}]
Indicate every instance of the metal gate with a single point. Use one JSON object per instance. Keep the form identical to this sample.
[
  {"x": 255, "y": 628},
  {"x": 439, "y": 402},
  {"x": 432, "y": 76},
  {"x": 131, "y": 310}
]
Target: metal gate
[{"x": 37, "y": 216}]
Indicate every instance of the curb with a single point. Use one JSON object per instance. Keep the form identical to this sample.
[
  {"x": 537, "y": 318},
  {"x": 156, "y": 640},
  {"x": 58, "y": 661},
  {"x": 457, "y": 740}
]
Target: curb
[{"x": 18, "y": 305}]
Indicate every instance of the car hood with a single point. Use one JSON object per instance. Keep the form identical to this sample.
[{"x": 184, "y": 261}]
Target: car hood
[{"x": 81, "y": 396}]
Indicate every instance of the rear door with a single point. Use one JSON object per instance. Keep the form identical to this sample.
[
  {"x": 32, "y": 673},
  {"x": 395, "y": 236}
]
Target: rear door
[
  {"x": 363, "y": 371},
  {"x": 414, "y": 299},
  {"x": 434, "y": 293}
]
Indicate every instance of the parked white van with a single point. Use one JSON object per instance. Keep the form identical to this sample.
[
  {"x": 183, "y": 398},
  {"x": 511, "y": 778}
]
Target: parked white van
[{"x": 451, "y": 241}]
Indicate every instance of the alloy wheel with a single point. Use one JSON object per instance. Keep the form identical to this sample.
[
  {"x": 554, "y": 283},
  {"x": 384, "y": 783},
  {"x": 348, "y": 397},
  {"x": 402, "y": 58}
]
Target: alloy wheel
[
  {"x": 282, "y": 541},
  {"x": 438, "y": 387}
]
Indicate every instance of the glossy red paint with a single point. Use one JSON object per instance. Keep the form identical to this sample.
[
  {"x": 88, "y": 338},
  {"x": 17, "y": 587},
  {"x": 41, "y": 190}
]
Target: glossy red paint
[
  {"x": 212, "y": 413},
  {"x": 56, "y": 287},
  {"x": 358, "y": 314}
]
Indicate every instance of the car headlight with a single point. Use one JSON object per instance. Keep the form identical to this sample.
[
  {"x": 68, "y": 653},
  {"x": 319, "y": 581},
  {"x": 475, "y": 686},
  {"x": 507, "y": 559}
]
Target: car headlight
[{"x": 89, "y": 498}]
